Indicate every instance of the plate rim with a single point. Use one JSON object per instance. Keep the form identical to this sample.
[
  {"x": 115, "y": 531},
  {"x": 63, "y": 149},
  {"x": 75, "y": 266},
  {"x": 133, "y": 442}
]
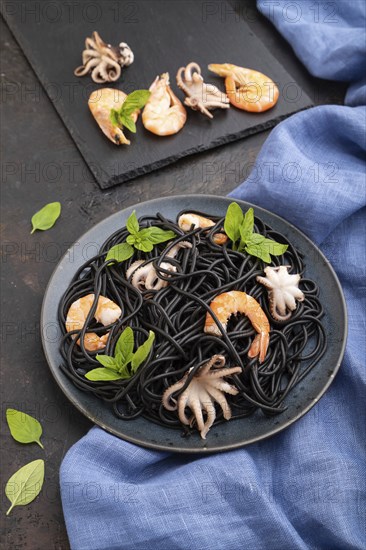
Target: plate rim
[{"x": 202, "y": 450}]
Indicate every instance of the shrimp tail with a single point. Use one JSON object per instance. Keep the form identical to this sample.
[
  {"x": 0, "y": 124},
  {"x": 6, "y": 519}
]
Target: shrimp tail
[
  {"x": 232, "y": 92},
  {"x": 259, "y": 346}
]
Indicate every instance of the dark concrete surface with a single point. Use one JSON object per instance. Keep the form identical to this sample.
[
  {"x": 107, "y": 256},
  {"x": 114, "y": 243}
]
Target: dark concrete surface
[{"x": 41, "y": 164}]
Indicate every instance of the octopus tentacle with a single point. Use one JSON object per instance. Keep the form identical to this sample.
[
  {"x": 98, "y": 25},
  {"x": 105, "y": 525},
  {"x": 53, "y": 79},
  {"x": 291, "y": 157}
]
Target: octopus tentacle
[
  {"x": 84, "y": 69},
  {"x": 209, "y": 408},
  {"x": 170, "y": 391},
  {"x": 223, "y": 372},
  {"x": 221, "y": 400},
  {"x": 182, "y": 403},
  {"x": 220, "y": 359},
  {"x": 196, "y": 408},
  {"x": 224, "y": 386}
]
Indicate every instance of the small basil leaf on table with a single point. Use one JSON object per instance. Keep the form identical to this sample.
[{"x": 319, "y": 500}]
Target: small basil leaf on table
[
  {"x": 142, "y": 352},
  {"x": 46, "y": 217},
  {"x": 25, "y": 484},
  {"x": 24, "y": 428},
  {"x": 120, "y": 252}
]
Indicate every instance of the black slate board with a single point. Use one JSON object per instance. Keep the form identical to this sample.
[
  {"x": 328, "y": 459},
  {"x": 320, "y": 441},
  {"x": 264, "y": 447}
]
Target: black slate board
[{"x": 164, "y": 36}]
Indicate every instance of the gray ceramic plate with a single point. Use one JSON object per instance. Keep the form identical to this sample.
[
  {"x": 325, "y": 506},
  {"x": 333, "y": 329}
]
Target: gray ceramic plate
[{"x": 228, "y": 435}]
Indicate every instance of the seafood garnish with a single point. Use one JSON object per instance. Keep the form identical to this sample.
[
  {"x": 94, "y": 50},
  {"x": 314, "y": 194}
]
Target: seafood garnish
[
  {"x": 283, "y": 291},
  {"x": 200, "y": 96},
  {"x": 206, "y": 387},
  {"x": 103, "y": 60},
  {"x": 247, "y": 89},
  {"x": 145, "y": 277},
  {"x": 187, "y": 220},
  {"x": 164, "y": 113},
  {"x": 101, "y": 102},
  {"x": 233, "y": 302},
  {"x": 106, "y": 313}
]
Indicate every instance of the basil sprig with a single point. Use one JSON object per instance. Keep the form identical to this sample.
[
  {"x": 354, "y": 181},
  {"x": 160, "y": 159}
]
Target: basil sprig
[
  {"x": 239, "y": 228},
  {"x": 133, "y": 102},
  {"x": 125, "y": 362},
  {"x": 141, "y": 239}
]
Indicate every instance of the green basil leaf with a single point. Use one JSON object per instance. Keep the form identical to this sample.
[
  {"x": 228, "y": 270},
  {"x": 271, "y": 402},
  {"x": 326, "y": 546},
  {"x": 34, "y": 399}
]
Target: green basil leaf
[
  {"x": 24, "y": 428},
  {"x": 128, "y": 123},
  {"x": 142, "y": 352},
  {"x": 46, "y": 217},
  {"x": 233, "y": 220},
  {"x": 133, "y": 224},
  {"x": 26, "y": 484},
  {"x": 135, "y": 101},
  {"x": 256, "y": 238},
  {"x": 257, "y": 251},
  {"x": 100, "y": 375},
  {"x": 114, "y": 117},
  {"x": 274, "y": 248},
  {"x": 145, "y": 245},
  {"x": 131, "y": 239},
  {"x": 118, "y": 361},
  {"x": 122, "y": 369},
  {"x": 157, "y": 235},
  {"x": 125, "y": 345},
  {"x": 107, "y": 361},
  {"x": 247, "y": 225},
  {"x": 120, "y": 252}
]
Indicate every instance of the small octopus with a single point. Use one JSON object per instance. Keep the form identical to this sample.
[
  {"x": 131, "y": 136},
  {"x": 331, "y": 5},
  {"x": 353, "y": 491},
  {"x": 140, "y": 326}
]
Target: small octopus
[
  {"x": 145, "y": 277},
  {"x": 200, "y": 96},
  {"x": 283, "y": 291},
  {"x": 206, "y": 387},
  {"x": 103, "y": 60}
]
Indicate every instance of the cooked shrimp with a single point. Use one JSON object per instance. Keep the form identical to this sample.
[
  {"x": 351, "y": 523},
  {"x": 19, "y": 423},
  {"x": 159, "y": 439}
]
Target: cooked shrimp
[
  {"x": 101, "y": 102},
  {"x": 230, "y": 303},
  {"x": 107, "y": 312},
  {"x": 186, "y": 221},
  {"x": 247, "y": 89},
  {"x": 164, "y": 113}
]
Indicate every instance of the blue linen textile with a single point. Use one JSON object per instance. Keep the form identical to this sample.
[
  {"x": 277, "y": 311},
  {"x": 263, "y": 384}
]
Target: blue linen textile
[{"x": 305, "y": 487}]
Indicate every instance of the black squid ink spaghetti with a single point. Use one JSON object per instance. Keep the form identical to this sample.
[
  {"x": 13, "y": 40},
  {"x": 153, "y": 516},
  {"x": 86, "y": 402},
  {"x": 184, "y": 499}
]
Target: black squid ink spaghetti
[{"x": 170, "y": 291}]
